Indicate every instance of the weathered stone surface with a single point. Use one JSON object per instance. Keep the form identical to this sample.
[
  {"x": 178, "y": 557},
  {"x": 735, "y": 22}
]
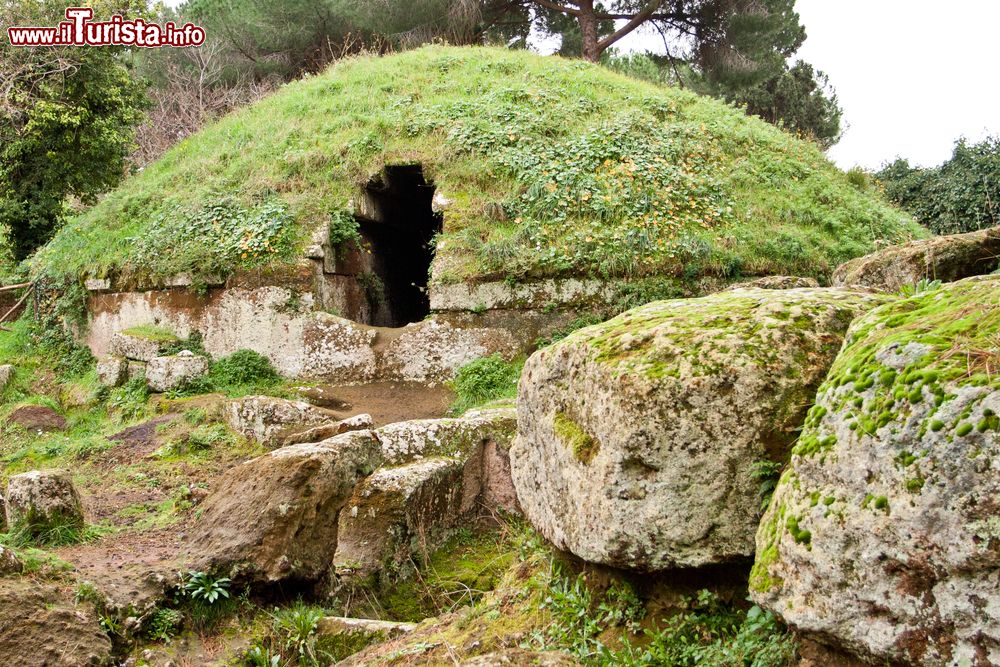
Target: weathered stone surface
[
  {"x": 777, "y": 282},
  {"x": 357, "y": 633},
  {"x": 41, "y": 499},
  {"x": 113, "y": 371},
  {"x": 457, "y": 438},
  {"x": 275, "y": 517},
  {"x": 6, "y": 375},
  {"x": 37, "y": 418},
  {"x": 394, "y": 511},
  {"x": 136, "y": 369},
  {"x": 40, "y": 627},
  {"x": 637, "y": 438},
  {"x": 433, "y": 351},
  {"x": 358, "y": 422},
  {"x": 9, "y": 562},
  {"x": 883, "y": 535},
  {"x": 137, "y": 348},
  {"x": 269, "y": 420},
  {"x": 944, "y": 258},
  {"x": 166, "y": 373}
]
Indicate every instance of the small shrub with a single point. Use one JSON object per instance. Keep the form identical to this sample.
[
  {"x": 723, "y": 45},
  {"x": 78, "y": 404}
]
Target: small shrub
[
  {"x": 164, "y": 624},
  {"x": 202, "y": 587},
  {"x": 206, "y": 598},
  {"x": 243, "y": 367},
  {"x": 296, "y": 632},
  {"x": 921, "y": 286},
  {"x": 129, "y": 400},
  {"x": 484, "y": 380}
]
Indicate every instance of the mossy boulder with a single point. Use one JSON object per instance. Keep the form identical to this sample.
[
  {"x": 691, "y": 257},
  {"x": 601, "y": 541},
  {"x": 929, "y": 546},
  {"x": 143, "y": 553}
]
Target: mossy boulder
[
  {"x": 944, "y": 258},
  {"x": 638, "y": 438},
  {"x": 394, "y": 515},
  {"x": 43, "y": 500},
  {"x": 883, "y": 535}
]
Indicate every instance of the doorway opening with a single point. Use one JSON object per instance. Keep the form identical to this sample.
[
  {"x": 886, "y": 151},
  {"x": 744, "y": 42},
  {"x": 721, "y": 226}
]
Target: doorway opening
[{"x": 398, "y": 225}]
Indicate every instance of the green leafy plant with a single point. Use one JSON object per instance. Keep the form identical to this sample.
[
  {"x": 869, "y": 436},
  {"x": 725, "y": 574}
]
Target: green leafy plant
[
  {"x": 130, "y": 400},
  {"x": 203, "y": 587},
  {"x": 921, "y": 286},
  {"x": 164, "y": 624},
  {"x": 296, "y": 632},
  {"x": 766, "y": 474},
  {"x": 484, "y": 380}
]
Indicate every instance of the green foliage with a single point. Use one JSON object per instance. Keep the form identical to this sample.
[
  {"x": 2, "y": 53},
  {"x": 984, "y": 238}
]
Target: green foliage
[
  {"x": 151, "y": 332},
  {"x": 58, "y": 531},
  {"x": 164, "y": 624},
  {"x": 706, "y": 631},
  {"x": 710, "y": 191},
  {"x": 344, "y": 230},
  {"x": 130, "y": 400},
  {"x": 766, "y": 474},
  {"x": 961, "y": 195},
  {"x": 243, "y": 367},
  {"x": 215, "y": 239},
  {"x": 295, "y": 629},
  {"x": 203, "y": 587},
  {"x": 484, "y": 380},
  {"x": 66, "y": 125},
  {"x": 798, "y": 99},
  {"x": 921, "y": 286}
]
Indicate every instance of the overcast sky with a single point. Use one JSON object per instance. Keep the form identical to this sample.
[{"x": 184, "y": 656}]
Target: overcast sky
[{"x": 911, "y": 75}]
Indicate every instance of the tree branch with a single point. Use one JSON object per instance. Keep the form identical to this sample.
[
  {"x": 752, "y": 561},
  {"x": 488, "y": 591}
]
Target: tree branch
[{"x": 634, "y": 23}]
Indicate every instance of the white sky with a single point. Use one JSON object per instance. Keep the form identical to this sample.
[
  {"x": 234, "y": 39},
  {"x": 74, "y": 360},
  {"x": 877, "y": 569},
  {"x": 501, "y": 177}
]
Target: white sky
[{"x": 911, "y": 75}]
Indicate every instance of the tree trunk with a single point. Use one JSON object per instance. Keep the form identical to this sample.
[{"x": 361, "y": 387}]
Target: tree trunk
[{"x": 588, "y": 29}]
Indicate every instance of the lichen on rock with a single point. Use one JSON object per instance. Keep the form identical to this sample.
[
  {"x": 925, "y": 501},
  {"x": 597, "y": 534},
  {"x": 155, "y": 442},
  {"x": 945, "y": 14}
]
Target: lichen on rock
[
  {"x": 637, "y": 437},
  {"x": 894, "y": 480}
]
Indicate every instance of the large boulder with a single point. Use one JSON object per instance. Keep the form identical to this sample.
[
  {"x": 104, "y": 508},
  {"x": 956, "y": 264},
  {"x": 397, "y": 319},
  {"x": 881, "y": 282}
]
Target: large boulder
[
  {"x": 394, "y": 514},
  {"x": 271, "y": 421},
  {"x": 41, "y": 500},
  {"x": 6, "y": 375},
  {"x": 275, "y": 517},
  {"x": 443, "y": 473},
  {"x": 883, "y": 535},
  {"x": 638, "y": 439},
  {"x": 174, "y": 371},
  {"x": 37, "y": 418},
  {"x": 9, "y": 562},
  {"x": 944, "y": 258},
  {"x": 40, "y": 627}
]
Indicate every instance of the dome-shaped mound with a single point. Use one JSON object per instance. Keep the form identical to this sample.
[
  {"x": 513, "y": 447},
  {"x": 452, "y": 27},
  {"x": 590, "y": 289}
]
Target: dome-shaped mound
[{"x": 538, "y": 167}]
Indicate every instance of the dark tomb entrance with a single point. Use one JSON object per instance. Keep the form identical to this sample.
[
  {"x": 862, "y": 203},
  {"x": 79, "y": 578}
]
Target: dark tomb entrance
[{"x": 398, "y": 226}]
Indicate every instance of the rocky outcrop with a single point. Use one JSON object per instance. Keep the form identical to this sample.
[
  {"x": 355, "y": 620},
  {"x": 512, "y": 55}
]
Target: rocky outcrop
[
  {"x": 944, "y": 258},
  {"x": 9, "y": 562},
  {"x": 776, "y": 282},
  {"x": 358, "y": 422},
  {"x": 638, "y": 438},
  {"x": 38, "y": 626},
  {"x": 40, "y": 418},
  {"x": 522, "y": 658},
  {"x": 6, "y": 375},
  {"x": 271, "y": 421},
  {"x": 443, "y": 473},
  {"x": 275, "y": 517},
  {"x": 43, "y": 499},
  {"x": 166, "y": 373},
  {"x": 393, "y": 514},
  {"x": 457, "y": 438},
  {"x": 883, "y": 536},
  {"x": 138, "y": 347},
  {"x": 112, "y": 371}
]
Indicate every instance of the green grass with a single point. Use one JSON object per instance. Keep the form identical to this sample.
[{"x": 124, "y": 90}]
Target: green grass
[
  {"x": 484, "y": 380},
  {"x": 594, "y": 173},
  {"x": 152, "y": 333}
]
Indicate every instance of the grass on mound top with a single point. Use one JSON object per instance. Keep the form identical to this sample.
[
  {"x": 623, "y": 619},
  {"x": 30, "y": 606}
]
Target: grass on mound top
[{"x": 552, "y": 167}]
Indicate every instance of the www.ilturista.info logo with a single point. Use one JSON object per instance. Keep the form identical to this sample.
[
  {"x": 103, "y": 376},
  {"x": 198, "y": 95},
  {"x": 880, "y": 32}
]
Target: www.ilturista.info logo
[{"x": 79, "y": 30}]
